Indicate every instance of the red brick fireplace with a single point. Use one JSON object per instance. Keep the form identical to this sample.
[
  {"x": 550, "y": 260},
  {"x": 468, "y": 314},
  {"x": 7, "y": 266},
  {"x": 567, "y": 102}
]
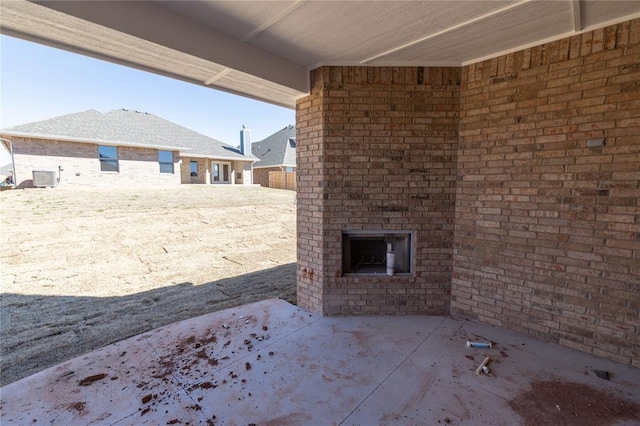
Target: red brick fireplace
[
  {"x": 379, "y": 154},
  {"x": 516, "y": 219}
]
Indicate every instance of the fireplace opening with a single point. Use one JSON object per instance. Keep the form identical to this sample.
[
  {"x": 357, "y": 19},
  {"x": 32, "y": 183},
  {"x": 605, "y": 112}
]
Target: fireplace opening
[{"x": 376, "y": 252}]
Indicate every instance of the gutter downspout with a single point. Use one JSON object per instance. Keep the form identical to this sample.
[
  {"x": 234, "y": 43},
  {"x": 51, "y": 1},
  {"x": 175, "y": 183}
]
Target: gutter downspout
[{"x": 13, "y": 161}]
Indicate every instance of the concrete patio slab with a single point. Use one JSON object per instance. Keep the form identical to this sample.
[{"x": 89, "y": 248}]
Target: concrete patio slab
[{"x": 273, "y": 363}]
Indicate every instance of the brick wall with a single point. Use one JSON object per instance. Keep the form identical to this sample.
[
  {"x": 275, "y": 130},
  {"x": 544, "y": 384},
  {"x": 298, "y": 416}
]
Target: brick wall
[
  {"x": 138, "y": 166},
  {"x": 310, "y": 212},
  {"x": 261, "y": 175},
  {"x": 185, "y": 171},
  {"x": 547, "y": 230},
  {"x": 246, "y": 172},
  {"x": 377, "y": 148},
  {"x": 281, "y": 180},
  {"x": 239, "y": 171}
]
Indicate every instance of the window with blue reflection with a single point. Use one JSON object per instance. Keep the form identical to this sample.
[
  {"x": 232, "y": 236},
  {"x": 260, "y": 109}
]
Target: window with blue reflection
[
  {"x": 165, "y": 158},
  {"x": 108, "y": 158}
]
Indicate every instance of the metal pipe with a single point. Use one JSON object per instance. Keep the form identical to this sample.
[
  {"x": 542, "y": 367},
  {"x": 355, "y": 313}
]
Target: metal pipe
[{"x": 13, "y": 161}]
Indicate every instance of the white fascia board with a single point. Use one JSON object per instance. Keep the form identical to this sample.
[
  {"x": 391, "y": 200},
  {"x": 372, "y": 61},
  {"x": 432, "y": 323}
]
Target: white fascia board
[
  {"x": 215, "y": 157},
  {"x": 275, "y": 165},
  {"x": 94, "y": 141}
]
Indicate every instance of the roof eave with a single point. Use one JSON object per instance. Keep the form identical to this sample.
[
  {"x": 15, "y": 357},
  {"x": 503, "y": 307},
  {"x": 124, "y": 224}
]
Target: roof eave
[
  {"x": 92, "y": 141},
  {"x": 217, "y": 157},
  {"x": 275, "y": 165}
]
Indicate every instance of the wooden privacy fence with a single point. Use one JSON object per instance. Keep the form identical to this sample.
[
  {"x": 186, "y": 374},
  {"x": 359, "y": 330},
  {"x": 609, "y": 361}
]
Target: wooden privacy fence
[{"x": 282, "y": 180}]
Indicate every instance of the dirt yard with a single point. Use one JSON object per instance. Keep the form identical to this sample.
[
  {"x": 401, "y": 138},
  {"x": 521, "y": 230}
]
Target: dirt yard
[{"x": 82, "y": 268}]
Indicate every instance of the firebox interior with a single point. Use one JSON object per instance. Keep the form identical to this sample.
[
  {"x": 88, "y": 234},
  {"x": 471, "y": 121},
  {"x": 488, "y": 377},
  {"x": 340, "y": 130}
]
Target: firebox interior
[{"x": 367, "y": 252}]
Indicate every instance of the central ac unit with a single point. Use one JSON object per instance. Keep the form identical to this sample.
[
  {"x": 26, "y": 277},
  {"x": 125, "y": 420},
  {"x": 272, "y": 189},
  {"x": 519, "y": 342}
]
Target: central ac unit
[{"x": 44, "y": 178}]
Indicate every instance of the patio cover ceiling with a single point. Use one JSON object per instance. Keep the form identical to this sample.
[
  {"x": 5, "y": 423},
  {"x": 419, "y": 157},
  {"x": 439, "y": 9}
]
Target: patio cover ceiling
[{"x": 265, "y": 49}]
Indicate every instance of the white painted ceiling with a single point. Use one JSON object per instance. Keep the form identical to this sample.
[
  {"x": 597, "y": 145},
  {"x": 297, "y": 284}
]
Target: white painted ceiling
[{"x": 265, "y": 49}]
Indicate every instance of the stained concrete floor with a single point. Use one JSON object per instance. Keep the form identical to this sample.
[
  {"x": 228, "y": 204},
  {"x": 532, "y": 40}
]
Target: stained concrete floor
[{"x": 272, "y": 363}]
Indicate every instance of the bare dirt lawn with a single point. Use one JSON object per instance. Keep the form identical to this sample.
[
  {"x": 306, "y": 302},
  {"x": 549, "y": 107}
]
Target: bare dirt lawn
[{"x": 82, "y": 268}]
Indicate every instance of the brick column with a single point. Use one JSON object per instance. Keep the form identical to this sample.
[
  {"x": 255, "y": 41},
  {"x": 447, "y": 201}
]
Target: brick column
[
  {"x": 377, "y": 151},
  {"x": 310, "y": 195}
]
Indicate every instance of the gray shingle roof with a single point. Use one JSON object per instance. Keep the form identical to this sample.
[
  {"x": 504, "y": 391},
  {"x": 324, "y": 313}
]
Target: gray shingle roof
[
  {"x": 89, "y": 126},
  {"x": 197, "y": 143},
  {"x": 130, "y": 128},
  {"x": 278, "y": 149}
]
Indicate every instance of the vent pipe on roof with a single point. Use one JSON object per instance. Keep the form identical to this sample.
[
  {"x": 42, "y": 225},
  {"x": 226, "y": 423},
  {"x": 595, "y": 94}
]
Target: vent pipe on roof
[{"x": 245, "y": 141}]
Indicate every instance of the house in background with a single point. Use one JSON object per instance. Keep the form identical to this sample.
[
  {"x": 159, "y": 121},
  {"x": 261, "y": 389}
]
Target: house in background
[
  {"x": 277, "y": 155},
  {"x": 121, "y": 148}
]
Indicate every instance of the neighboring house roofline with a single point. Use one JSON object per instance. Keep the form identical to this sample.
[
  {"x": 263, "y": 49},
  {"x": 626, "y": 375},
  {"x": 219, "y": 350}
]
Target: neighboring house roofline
[
  {"x": 277, "y": 150},
  {"x": 92, "y": 141},
  {"x": 197, "y": 143},
  {"x": 127, "y": 128}
]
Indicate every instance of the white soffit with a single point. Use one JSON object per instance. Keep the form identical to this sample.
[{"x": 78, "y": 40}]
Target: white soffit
[
  {"x": 265, "y": 49},
  {"x": 594, "y": 14},
  {"x": 336, "y": 32},
  {"x": 234, "y": 18},
  {"x": 516, "y": 26}
]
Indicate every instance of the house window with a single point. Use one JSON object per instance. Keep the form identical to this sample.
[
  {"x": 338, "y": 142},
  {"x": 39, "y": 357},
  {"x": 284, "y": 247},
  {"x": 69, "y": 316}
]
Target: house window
[
  {"x": 193, "y": 168},
  {"x": 108, "y": 158},
  {"x": 288, "y": 169},
  {"x": 220, "y": 172},
  {"x": 216, "y": 172},
  {"x": 165, "y": 158}
]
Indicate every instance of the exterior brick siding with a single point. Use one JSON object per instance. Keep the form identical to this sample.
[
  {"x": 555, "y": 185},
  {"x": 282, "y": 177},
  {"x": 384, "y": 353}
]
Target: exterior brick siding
[
  {"x": 246, "y": 172},
  {"x": 138, "y": 166},
  {"x": 203, "y": 173},
  {"x": 517, "y": 222},
  {"x": 261, "y": 175},
  {"x": 239, "y": 171},
  {"x": 547, "y": 230},
  {"x": 378, "y": 147}
]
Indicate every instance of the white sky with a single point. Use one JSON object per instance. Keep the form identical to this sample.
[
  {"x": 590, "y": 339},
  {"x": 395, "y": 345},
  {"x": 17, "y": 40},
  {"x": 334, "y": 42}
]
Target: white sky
[{"x": 39, "y": 82}]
